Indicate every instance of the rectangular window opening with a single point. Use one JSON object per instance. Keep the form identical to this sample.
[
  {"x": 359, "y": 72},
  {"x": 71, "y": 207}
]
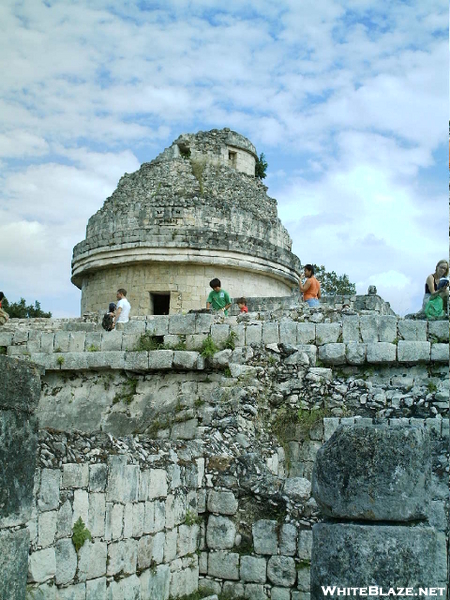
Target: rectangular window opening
[
  {"x": 159, "y": 303},
  {"x": 232, "y": 157}
]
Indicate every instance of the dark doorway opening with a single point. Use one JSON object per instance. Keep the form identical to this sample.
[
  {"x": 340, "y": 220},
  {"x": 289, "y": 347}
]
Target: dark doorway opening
[{"x": 160, "y": 303}]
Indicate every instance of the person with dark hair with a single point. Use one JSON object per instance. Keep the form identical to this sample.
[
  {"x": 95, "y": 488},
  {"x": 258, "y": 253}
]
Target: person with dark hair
[
  {"x": 218, "y": 298},
  {"x": 122, "y": 314},
  {"x": 310, "y": 288},
  {"x": 242, "y": 303},
  {"x": 3, "y": 315},
  {"x": 437, "y": 284}
]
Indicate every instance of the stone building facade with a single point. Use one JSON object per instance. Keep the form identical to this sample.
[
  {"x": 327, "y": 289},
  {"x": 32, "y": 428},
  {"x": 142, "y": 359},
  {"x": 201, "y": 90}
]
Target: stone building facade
[{"x": 195, "y": 212}]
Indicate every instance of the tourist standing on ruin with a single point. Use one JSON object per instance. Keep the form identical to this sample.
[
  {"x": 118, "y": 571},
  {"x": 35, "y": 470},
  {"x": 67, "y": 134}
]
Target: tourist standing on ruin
[
  {"x": 122, "y": 314},
  {"x": 437, "y": 283},
  {"x": 218, "y": 299},
  {"x": 311, "y": 287}
]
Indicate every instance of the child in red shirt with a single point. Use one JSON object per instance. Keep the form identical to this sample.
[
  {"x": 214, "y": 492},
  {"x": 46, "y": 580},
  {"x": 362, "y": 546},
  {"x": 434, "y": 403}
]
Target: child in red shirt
[{"x": 242, "y": 303}]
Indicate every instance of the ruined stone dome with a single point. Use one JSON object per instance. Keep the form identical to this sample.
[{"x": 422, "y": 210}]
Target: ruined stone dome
[{"x": 195, "y": 212}]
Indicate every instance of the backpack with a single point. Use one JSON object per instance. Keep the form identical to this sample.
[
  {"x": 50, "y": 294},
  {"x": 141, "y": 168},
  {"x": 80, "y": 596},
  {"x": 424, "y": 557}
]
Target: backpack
[
  {"x": 434, "y": 308},
  {"x": 108, "y": 322}
]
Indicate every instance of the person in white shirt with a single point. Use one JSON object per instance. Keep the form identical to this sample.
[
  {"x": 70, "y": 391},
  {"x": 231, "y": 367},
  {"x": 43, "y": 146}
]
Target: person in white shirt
[{"x": 122, "y": 314}]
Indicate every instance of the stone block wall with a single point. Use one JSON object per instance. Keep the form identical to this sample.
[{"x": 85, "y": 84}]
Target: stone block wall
[
  {"x": 139, "y": 505},
  {"x": 237, "y": 432},
  {"x": 19, "y": 395}
]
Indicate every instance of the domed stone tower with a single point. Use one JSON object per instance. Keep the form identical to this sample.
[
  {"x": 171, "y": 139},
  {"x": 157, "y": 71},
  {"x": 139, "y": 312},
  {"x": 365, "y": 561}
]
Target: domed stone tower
[{"x": 195, "y": 212}]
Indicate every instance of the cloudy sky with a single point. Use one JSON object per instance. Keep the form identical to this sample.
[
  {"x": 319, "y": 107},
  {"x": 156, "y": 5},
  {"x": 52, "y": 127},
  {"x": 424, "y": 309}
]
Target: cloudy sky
[{"x": 347, "y": 99}]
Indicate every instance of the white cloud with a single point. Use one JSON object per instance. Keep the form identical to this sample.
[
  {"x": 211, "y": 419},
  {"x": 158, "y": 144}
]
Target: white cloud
[{"x": 349, "y": 98}]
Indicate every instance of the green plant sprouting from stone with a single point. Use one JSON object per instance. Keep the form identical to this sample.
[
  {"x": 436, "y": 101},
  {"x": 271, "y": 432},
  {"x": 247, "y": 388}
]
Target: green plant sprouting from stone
[
  {"x": 230, "y": 342},
  {"x": 192, "y": 518},
  {"x": 60, "y": 360},
  {"x": 208, "y": 348},
  {"x": 80, "y": 534},
  {"x": 148, "y": 342}
]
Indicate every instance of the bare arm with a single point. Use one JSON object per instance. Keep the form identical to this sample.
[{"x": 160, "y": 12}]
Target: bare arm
[
  {"x": 208, "y": 305},
  {"x": 304, "y": 286},
  {"x": 116, "y": 315}
]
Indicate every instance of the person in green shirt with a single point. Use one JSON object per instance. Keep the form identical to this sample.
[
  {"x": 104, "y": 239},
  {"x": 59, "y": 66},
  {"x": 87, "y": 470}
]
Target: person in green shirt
[{"x": 218, "y": 299}]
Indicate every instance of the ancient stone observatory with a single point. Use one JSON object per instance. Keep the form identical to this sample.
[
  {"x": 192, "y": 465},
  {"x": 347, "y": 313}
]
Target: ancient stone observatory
[{"x": 195, "y": 212}]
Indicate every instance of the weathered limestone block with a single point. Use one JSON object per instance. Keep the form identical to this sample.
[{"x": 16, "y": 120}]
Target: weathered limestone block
[
  {"x": 327, "y": 333},
  {"x": 61, "y": 342},
  {"x": 185, "y": 430},
  {"x": 48, "y": 498},
  {"x": 310, "y": 350},
  {"x": 350, "y": 329},
  {"x": 288, "y": 332},
  {"x": 80, "y": 505},
  {"x": 102, "y": 360},
  {"x": 64, "y": 522},
  {"x": 265, "y": 538},
  {"x": 75, "y": 476},
  {"x": 270, "y": 333},
  {"x": 76, "y": 341},
  {"x": 183, "y": 583},
  {"x": 136, "y": 361},
  {"x": 281, "y": 570},
  {"x": 381, "y": 353},
  {"x": 220, "y": 533},
  {"x": 42, "y": 565},
  {"x": 96, "y": 515},
  {"x": 305, "y": 544},
  {"x": 437, "y": 330},
  {"x": 47, "y": 528},
  {"x": 122, "y": 556},
  {"x": 160, "y": 360},
  {"x": 414, "y": 331},
  {"x": 440, "y": 353},
  {"x": 157, "y": 325},
  {"x": 127, "y": 588},
  {"x": 182, "y": 324},
  {"x": 332, "y": 353},
  {"x": 387, "y": 328},
  {"x": 111, "y": 341},
  {"x": 306, "y": 333},
  {"x": 113, "y": 521},
  {"x": 75, "y": 592},
  {"x": 135, "y": 325},
  {"x": 385, "y": 555},
  {"x": 222, "y": 502},
  {"x": 187, "y": 539},
  {"x": 170, "y": 545},
  {"x": 369, "y": 328},
  {"x": 414, "y": 351},
  {"x": 92, "y": 561},
  {"x": 220, "y": 333},
  {"x": 280, "y": 594},
  {"x": 185, "y": 360},
  {"x": 97, "y": 478},
  {"x": 155, "y": 583},
  {"x": 14, "y": 547},
  {"x": 253, "y": 334},
  {"x": 123, "y": 480},
  {"x": 224, "y": 565},
  {"x": 96, "y": 589},
  {"x": 253, "y": 569},
  {"x": 355, "y": 353},
  {"x": 297, "y": 489},
  {"x": 203, "y": 322},
  {"x": 375, "y": 473},
  {"x": 288, "y": 539},
  {"x": 46, "y": 342},
  {"x": 222, "y": 359}
]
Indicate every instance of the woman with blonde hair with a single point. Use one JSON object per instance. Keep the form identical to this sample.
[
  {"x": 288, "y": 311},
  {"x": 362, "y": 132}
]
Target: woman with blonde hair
[{"x": 436, "y": 284}]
